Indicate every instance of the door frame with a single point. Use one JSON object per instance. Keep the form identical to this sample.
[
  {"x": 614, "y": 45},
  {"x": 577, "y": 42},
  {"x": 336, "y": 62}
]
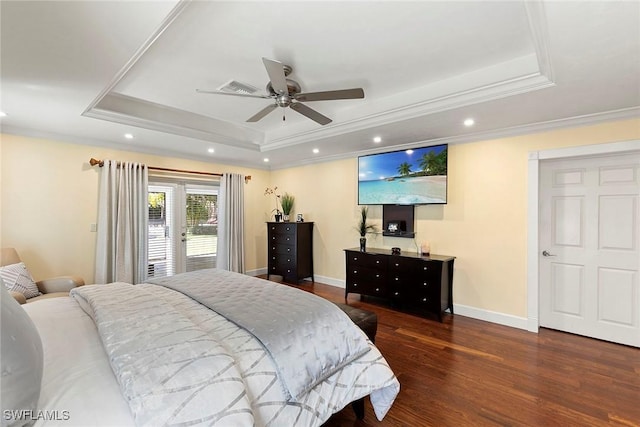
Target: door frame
[{"x": 533, "y": 204}]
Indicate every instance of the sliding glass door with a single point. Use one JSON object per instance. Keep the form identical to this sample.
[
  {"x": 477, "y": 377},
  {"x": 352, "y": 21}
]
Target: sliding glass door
[{"x": 183, "y": 228}]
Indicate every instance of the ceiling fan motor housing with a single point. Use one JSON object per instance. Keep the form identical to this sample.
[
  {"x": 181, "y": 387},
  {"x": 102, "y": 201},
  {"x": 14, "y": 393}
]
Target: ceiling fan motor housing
[{"x": 292, "y": 86}]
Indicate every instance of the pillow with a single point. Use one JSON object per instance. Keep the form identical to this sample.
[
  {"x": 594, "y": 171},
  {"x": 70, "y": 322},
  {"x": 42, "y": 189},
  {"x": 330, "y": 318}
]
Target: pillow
[
  {"x": 21, "y": 363},
  {"x": 18, "y": 279}
]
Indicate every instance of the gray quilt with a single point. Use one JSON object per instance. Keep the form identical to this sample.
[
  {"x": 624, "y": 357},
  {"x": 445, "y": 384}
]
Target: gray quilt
[
  {"x": 179, "y": 363},
  {"x": 308, "y": 337}
]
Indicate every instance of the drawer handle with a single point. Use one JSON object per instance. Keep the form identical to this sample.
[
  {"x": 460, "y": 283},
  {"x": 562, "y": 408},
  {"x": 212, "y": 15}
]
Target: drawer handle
[
  {"x": 425, "y": 268},
  {"x": 289, "y": 260},
  {"x": 288, "y": 229},
  {"x": 377, "y": 276},
  {"x": 424, "y": 300},
  {"x": 397, "y": 278},
  {"x": 288, "y": 271},
  {"x": 288, "y": 249},
  {"x": 424, "y": 284},
  {"x": 355, "y": 271},
  {"x": 377, "y": 289},
  {"x": 397, "y": 265},
  {"x": 355, "y": 258},
  {"x": 273, "y": 248},
  {"x": 397, "y": 293},
  {"x": 355, "y": 285},
  {"x": 377, "y": 262}
]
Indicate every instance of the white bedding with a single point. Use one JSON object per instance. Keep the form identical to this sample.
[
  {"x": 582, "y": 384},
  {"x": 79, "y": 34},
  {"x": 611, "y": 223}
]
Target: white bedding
[
  {"x": 79, "y": 384},
  {"x": 77, "y": 376}
]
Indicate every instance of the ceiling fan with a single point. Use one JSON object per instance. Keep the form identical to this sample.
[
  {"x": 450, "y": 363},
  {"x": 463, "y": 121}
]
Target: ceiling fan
[{"x": 286, "y": 93}]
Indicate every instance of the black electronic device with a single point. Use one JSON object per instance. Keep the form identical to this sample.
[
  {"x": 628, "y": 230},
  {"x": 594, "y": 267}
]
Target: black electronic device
[{"x": 396, "y": 227}]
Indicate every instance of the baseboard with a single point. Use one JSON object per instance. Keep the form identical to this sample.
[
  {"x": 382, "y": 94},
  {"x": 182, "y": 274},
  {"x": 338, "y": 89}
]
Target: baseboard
[
  {"x": 491, "y": 316},
  {"x": 256, "y": 272},
  {"x": 330, "y": 281}
]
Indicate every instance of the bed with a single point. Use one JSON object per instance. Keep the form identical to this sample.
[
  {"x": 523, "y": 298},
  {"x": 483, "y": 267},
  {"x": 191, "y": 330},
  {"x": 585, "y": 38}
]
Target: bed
[{"x": 202, "y": 348}]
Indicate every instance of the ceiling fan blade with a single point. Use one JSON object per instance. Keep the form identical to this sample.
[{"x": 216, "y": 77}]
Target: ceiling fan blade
[
  {"x": 277, "y": 77},
  {"x": 310, "y": 113},
  {"x": 260, "y": 114},
  {"x": 219, "y": 92},
  {"x": 330, "y": 95}
]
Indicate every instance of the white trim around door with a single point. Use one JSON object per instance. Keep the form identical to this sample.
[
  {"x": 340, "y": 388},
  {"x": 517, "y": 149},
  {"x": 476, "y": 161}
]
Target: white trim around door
[{"x": 533, "y": 320}]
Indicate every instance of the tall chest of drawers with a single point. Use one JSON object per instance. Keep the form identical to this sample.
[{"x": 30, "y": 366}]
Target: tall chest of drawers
[
  {"x": 411, "y": 280},
  {"x": 290, "y": 250}
]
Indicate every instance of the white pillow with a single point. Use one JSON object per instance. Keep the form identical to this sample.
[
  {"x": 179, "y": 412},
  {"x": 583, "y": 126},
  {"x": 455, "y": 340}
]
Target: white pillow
[
  {"x": 21, "y": 363},
  {"x": 17, "y": 278}
]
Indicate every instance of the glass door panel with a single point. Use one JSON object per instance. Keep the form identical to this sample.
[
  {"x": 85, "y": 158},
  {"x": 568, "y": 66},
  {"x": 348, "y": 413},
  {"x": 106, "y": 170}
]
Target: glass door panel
[
  {"x": 201, "y": 239},
  {"x": 161, "y": 219}
]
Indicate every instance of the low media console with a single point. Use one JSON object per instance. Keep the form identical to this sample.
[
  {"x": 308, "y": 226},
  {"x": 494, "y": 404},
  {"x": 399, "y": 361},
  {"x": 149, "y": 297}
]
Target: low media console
[{"x": 407, "y": 279}]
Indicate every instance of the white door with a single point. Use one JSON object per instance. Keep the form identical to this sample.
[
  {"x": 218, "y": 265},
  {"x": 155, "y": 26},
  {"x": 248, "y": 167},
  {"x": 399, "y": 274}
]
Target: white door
[
  {"x": 590, "y": 247},
  {"x": 183, "y": 228}
]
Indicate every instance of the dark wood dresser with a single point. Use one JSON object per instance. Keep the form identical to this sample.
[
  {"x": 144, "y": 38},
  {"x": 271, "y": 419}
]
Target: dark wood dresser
[
  {"x": 411, "y": 280},
  {"x": 290, "y": 250}
]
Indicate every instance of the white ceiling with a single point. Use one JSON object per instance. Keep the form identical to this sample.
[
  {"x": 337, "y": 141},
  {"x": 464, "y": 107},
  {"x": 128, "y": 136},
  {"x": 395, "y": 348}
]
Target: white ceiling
[{"x": 89, "y": 72}]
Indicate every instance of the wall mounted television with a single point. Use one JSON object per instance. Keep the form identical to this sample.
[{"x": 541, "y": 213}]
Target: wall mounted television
[{"x": 416, "y": 176}]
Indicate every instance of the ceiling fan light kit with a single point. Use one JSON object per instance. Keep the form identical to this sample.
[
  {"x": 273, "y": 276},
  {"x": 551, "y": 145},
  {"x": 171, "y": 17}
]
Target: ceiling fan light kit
[{"x": 287, "y": 93}]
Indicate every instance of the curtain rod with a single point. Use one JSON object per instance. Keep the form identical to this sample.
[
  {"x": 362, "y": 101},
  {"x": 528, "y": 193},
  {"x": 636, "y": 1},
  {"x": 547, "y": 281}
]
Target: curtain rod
[{"x": 100, "y": 163}]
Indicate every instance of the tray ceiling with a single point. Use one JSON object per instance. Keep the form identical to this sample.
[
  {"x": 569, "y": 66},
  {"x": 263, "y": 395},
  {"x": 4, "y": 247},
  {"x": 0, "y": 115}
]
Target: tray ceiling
[{"x": 92, "y": 71}]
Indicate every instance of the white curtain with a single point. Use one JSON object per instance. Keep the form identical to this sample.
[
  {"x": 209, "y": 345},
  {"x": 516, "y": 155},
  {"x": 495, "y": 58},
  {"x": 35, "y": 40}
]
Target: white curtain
[
  {"x": 231, "y": 223},
  {"x": 121, "y": 251}
]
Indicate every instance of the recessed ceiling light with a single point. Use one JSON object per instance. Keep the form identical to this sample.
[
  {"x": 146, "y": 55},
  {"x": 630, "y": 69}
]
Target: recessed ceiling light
[
  {"x": 265, "y": 160},
  {"x": 211, "y": 150},
  {"x": 377, "y": 139},
  {"x": 469, "y": 122},
  {"x": 3, "y": 114},
  {"x": 316, "y": 151},
  {"x": 128, "y": 135}
]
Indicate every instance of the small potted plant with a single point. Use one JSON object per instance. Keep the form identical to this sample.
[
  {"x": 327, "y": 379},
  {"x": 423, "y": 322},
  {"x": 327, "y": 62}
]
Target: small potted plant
[
  {"x": 365, "y": 228},
  {"x": 286, "y": 201},
  {"x": 272, "y": 191}
]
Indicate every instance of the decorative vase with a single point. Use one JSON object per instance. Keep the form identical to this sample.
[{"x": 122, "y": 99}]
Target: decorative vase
[
  {"x": 363, "y": 244},
  {"x": 285, "y": 217},
  {"x": 278, "y": 217}
]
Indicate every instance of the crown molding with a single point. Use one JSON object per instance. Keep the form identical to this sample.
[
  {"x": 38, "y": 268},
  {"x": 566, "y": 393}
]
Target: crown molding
[{"x": 532, "y": 128}]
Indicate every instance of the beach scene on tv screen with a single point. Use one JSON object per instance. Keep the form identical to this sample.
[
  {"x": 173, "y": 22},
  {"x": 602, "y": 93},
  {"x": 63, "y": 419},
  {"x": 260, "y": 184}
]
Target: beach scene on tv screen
[{"x": 416, "y": 176}]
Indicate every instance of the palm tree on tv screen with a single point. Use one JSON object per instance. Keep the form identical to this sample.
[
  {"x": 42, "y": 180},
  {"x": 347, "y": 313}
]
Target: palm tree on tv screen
[
  {"x": 404, "y": 169},
  {"x": 433, "y": 164}
]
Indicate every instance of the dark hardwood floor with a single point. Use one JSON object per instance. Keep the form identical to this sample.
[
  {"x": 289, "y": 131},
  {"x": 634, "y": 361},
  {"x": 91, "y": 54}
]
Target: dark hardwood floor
[{"x": 466, "y": 372}]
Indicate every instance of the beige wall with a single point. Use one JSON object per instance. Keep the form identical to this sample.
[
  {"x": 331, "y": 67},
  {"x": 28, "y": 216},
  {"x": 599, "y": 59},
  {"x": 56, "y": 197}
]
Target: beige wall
[
  {"x": 49, "y": 198},
  {"x": 484, "y": 223}
]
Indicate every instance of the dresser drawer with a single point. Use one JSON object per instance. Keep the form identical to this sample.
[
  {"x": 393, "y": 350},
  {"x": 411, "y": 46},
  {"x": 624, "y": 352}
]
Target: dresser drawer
[
  {"x": 362, "y": 274},
  {"x": 282, "y": 249},
  {"x": 287, "y": 229},
  {"x": 364, "y": 287},
  {"x": 282, "y": 238},
  {"x": 366, "y": 260},
  {"x": 283, "y": 260},
  {"x": 398, "y": 264}
]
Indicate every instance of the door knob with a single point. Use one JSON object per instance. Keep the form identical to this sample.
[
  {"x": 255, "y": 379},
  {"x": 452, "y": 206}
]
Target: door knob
[{"x": 546, "y": 253}]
